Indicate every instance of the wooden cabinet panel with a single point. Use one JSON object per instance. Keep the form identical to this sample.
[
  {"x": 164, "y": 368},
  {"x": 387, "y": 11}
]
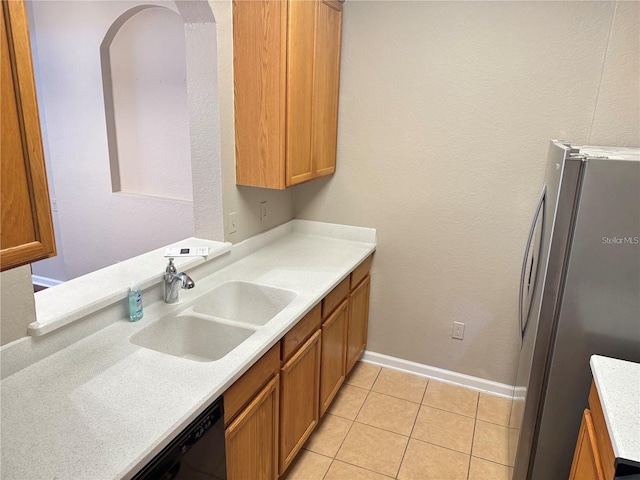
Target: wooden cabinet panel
[
  {"x": 259, "y": 64},
  {"x": 300, "y": 48},
  {"x": 246, "y": 387},
  {"x": 26, "y": 233},
  {"x": 603, "y": 442},
  {"x": 299, "y": 393},
  {"x": 586, "y": 460},
  {"x": 361, "y": 271},
  {"x": 334, "y": 355},
  {"x": 335, "y": 298},
  {"x": 294, "y": 339},
  {"x": 358, "y": 322},
  {"x": 252, "y": 439},
  {"x": 286, "y": 79},
  {"x": 326, "y": 82}
]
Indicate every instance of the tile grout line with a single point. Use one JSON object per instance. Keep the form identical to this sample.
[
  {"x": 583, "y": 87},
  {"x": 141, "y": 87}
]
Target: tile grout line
[
  {"x": 411, "y": 432},
  {"x": 473, "y": 437},
  {"x": 353, "y": 421},
  {"x": 327, "y": 472},
  {"x": 410, "y": 437},
  {"x": 362, "y": 468}
]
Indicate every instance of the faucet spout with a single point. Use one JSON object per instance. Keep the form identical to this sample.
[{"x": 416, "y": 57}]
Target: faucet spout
[
  {"x": 173, "y": 281},
  {"x": 185, "y": 281}
]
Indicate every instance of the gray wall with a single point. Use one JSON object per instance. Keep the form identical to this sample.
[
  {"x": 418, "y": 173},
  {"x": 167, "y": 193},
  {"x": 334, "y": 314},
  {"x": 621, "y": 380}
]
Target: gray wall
[{"x": 446, "y": 111}]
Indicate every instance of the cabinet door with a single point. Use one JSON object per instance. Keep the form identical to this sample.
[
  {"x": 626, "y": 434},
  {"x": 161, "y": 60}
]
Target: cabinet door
[
  {"x": 358, "y": 322},
  {"x": 586, "y": 460},
  {"x": 334, "y": 356},
  {"x": 326, "y": 80},
  {"x": 299, "y": 393},
  {"x": 252, "y": 438},
  {"x": 300, "y": 53},
  {"x": 27, "y": 230},
  {"x": 259, "y": 81}
]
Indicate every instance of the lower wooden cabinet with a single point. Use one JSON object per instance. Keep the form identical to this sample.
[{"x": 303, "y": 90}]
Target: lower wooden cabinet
[
  {"x": 334, "y": 352},
  {"x": 593, "y": 458},
  {"x": 252, "y": 438},
  {"x": 271, "y": 410},
  {"x": 586, "y": 461},
  {"x": 358, "y": 322},
  {"x": 299, "y": 393}
]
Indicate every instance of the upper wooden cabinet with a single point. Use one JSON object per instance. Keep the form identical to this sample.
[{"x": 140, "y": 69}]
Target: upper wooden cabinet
[
  {"x": 286, "y": 77},
  {"x": 26, "y": 233}
]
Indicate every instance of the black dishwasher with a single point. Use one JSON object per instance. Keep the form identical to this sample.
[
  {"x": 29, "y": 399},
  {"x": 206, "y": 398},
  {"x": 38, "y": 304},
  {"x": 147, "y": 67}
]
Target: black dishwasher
[{"x": 198, "y": 453}]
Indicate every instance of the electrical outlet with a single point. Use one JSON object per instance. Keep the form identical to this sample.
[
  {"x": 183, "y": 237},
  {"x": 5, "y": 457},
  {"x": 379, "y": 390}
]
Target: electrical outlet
[
  {"x": 458, "y": 330},
  {"x": 232, "y": 225},
  {"x": 263, "y": 211}
]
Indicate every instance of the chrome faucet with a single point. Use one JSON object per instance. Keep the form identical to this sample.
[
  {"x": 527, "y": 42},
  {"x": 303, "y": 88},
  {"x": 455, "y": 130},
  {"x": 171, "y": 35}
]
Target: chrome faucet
[{"x": 171, "y": 280}]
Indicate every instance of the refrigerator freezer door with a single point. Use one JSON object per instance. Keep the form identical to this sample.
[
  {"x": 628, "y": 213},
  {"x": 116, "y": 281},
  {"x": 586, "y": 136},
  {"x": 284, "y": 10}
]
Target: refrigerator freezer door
[
  {"x": 561, "y": 181},
  {"x": 600, "y": 308}
]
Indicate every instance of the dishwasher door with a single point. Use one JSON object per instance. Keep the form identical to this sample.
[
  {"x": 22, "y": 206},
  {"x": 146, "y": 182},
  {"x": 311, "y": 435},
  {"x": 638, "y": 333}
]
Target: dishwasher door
[{"x": 198, "y": 453}]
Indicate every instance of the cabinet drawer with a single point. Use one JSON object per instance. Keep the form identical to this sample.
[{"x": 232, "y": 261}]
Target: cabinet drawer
[
  {"x": 602, "y": 433},
  {"x": 247, "y": 386},
  {"x": 301, "y": 332},
  {"x": 335, "y": 298},
  {"x": 361, "y": 271}
]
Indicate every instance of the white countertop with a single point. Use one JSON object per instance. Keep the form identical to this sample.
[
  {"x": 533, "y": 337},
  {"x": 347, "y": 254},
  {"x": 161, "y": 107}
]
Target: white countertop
[
  {"x": 102, "y": 407},
  {"x": 618, "y": 384}
]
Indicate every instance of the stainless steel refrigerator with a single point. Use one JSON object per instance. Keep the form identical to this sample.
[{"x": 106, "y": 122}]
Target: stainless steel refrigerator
[{"x": 579, "y": 295}]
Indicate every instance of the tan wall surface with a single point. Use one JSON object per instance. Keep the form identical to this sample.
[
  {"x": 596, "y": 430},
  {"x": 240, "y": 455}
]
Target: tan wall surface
[
  {"x": 245, "y": 201},
  {"x": 446, "y": 112}
]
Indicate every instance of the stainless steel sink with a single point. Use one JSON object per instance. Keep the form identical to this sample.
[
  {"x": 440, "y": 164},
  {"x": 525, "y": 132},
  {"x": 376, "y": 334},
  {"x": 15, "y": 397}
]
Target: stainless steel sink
[
  {"x": 244, "y": 302},
  {"x": 192, "y": 336}
]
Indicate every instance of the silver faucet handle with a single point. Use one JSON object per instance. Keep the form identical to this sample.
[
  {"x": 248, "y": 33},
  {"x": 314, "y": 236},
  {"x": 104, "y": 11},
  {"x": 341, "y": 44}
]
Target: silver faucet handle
[{"x": 171, "y": 268}]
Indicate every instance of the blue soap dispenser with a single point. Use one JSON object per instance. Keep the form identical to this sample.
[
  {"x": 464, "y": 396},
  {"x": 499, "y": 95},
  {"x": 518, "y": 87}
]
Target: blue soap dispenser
[{"x": 135, "y": 303}]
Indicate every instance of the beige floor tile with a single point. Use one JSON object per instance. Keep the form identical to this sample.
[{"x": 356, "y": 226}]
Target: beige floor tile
[
  {"x": 308, "y": 466},
  {"x": 423, "y": 461},
  {"x": 373, "y": 449},
  {"x": 513, "y": 443},
  {"x": 343, "y": 471},
  {"x": 363, "y": 375},
  {"x": 388, "y": 413},
  {"x": 484, "y": 470},
  {"x": 494, "y": 409},
  {"x": 444, "y": 429},
  {"x": 328, "y": 437},
  {"x": 452, "y": 398},
  {"x": 517, "y": 412},
  {"x": 348, "y": 402},
  {"x": 490, "y": 442},
  {"x": 401, "y": 385}
]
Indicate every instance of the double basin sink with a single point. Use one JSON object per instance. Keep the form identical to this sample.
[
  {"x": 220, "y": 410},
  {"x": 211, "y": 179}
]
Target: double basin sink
[{"x": 215, "y": 323}]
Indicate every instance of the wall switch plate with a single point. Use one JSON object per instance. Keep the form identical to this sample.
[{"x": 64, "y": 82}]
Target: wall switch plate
[
  {"x": 458, "y": 330},
  {"x": 263, "y": 210},
  {"x": 232, "y": 226}
]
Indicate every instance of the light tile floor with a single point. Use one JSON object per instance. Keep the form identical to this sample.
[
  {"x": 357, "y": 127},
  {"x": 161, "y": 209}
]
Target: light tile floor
[{"x": 388, "y": 424}]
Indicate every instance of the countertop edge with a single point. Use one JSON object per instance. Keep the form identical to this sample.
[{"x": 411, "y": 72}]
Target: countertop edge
[{"x": 624, "y": 403}]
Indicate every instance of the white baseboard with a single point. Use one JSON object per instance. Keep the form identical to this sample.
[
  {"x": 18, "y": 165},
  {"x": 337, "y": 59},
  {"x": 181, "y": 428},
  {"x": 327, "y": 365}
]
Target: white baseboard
[
  {"x": 44, "y": 281},
  {"x": 474, "y": 383}
]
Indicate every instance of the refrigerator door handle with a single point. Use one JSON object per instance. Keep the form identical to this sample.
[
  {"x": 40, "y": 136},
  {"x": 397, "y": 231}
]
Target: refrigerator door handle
[{"x": 523, "y": 274}]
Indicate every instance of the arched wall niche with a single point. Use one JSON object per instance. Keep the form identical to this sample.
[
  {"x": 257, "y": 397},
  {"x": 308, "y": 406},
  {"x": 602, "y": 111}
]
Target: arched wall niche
[
  {"x": 146, "y": 106},
  {"x": 96, "y": 227}
]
